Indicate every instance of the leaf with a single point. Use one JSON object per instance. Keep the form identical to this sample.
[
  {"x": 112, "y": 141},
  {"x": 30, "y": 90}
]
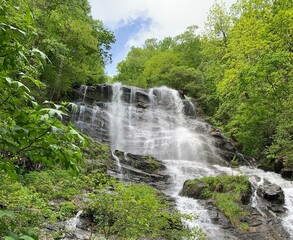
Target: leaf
[
  {"x": 25, "y": 237},
  {"x": 43, "y": 55},
  {"x": 53, "y": 112},
  {"x": 16, "y": 128},
  {"x": 11, "y": 147},
  {"x": 55, "y": 129},
  {"x": 38, "y": 83},
  {"x": 21, "y": 85},
  {"x": 9, "y": 80},
  {"x": 5, "y": 213},
  {"x": 23, "y": 56},
  {"x": 16, "y": 29},
  {"x": 57, "y": 106},
  {"x": 9, "y": 238},
  {"x": 73, "y": 106},
  {"x": 73, "y": 131}
]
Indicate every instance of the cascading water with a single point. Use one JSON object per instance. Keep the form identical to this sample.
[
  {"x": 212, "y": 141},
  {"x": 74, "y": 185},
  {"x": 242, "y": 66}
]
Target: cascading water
[{"x": 154, "y": 123}]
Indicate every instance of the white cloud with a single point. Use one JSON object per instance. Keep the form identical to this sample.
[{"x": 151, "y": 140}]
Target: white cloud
[{"x": 168, "y": 17}]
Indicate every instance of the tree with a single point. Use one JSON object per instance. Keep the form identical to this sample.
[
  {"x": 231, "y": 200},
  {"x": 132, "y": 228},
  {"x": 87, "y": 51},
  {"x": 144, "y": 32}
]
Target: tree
[
  {"x": 133, "y": 66},
  {"x": 77, "y": 46},
  {"x": 32, "y": 132}
]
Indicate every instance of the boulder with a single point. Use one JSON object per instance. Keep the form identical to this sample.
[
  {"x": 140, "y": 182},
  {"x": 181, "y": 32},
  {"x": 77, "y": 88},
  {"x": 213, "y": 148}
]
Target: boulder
[
  {"x": 272, "y": 193},
  {"x": 139, "y": 168},
  {"x": 146, "y": 164},
  {"x": 193, "y": 189},
  {"x": 287, "y": 173}
]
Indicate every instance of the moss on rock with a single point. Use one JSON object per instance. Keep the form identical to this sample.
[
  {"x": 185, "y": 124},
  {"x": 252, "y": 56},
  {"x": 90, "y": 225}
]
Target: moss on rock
[{"x": 228, "y": 194}]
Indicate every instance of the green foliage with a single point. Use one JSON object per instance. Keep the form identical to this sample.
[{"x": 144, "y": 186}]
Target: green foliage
[
  {"x": 35, "y": 133},
  {"x": 131, "y": 69},
  {"x": 170, "y": 62},
  {"x": 27, "y": 206},
  {"x": 159, "y": 66},
  {"x": 61, "y": 184},
  {"x": 246, "y": 70},
  {"x": 45, "y": 196},
  {"x": 226, "y": 192},
  {"x": 77, "y": 46},
  {"x": 133, "y": 211}
]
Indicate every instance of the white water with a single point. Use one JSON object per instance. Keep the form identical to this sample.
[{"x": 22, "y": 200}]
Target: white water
[
  {"x": 257, "y": 176},
  {"x": 162, "y": 130},
  {"x": 72, "y": 223}
]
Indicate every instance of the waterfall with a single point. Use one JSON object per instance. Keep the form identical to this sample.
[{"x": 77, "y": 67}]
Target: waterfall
[{"x": 154, "y": 122}]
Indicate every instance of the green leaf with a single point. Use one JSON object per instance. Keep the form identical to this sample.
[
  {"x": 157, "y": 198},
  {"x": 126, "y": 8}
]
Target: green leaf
[
  {"x": 25, "y": 237},
  {"x": 16, "y": 29},
  {"x": 52, "y": 112},
  {"x": 6, "y": 213},
  {"x": 21, "y": 85},
  {"x": 43, "y": 55},
  {"x": 9, "y": 80},
  {"x": 9, "y": 238},
  {"x": 73, "y": 131}
]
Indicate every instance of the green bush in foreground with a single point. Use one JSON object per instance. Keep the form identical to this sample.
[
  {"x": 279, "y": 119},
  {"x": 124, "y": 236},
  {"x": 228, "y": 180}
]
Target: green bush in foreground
[{"x": 135, "y": 210}]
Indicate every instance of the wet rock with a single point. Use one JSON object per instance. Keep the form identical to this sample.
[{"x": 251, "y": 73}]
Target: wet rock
[
  {"x": 91, "y": 94},
  {"x": 189, "y": 108},
  {"x": 142, "y": 97},
  {"x": 226, "y": 149},
  {"x": 277, "y": 208},
  {"x": 287, "y": 173},
  {"x": 139, "y": 168},
  {"x": 147, "y": 164},
  {"x": 279, "y": 165},
  {"x": 193, "y": 189},
  {"x": 272, "y": 193}
]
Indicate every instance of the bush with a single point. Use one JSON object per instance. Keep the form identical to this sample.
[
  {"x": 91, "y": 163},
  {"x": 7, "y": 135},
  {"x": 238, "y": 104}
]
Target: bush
[{"x": 133, "y": 211}]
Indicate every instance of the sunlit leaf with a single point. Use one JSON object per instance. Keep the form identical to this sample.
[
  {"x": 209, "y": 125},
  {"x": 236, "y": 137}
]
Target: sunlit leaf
[
  {"x": 25, "y": 237},
  {"x": 43, "y": 55},
  {"x": 21, "y": 85},
  {"x": 52, "y": 112}
]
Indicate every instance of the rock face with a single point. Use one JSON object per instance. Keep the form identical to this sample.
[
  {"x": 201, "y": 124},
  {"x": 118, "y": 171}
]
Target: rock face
[
  {"x": 147, "y": 164},
  {"x": 228, "y": 151},
  {"x": 259, "y": 227},
  {"x": 93, "y": 116},
  {"x": 138, "y": 168}
]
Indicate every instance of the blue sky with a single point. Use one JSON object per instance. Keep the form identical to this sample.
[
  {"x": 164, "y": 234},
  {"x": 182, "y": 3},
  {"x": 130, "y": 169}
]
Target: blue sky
[
  {"x": 134, "y": 21},
  {"x": 120, "y": 49}
]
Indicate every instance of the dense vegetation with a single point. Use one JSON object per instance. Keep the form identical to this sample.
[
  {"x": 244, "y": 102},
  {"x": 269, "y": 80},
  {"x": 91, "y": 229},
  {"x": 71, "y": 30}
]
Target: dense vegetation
[
  {"x": 49, "y": 170},
  {"x": 240, "y": 71}
]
